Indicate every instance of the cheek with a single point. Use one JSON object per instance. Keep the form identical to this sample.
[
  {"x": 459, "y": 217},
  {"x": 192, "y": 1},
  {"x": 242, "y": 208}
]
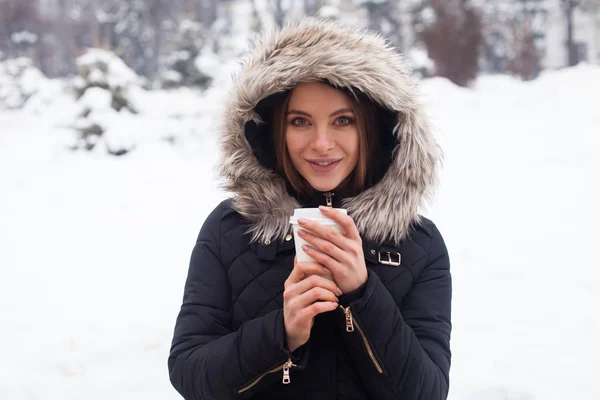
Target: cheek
[
  {"x": 353, "y": 146},
  {"x": 294, "y": 144}
]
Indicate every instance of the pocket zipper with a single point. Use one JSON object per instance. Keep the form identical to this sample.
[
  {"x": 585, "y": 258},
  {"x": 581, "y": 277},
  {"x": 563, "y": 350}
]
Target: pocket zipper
[
  {"x": 350, "y": 324},
  {"x": 286, "y": 375}
]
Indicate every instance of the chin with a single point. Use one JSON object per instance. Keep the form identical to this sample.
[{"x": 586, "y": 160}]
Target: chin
[{"x": 323, "y": 186}]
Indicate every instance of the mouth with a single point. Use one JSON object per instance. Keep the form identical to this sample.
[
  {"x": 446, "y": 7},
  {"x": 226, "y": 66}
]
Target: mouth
[{"x": 324, "y": 165}]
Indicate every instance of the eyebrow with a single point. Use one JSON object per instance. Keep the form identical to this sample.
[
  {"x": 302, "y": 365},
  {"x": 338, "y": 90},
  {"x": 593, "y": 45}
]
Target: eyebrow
[{"x": 340, "y": 111}]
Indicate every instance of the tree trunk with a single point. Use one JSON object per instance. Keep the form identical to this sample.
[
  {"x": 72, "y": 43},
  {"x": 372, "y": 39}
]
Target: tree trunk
[
  {"x": 573, "y": 56},
  {"x": 570, "y": 45},
  {"x": 278, "y": 12}
]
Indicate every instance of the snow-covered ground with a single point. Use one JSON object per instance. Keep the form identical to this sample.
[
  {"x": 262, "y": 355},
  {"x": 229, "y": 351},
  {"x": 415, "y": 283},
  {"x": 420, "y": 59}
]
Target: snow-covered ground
[{"x": 95, "y": 248}]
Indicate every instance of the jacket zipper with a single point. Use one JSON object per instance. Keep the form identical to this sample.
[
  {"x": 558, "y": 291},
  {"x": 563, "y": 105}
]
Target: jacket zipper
[
  {"x": 328, "y": 200},
  {"x": 285, "y": 367},
  {"x": 350, "y": 324}
]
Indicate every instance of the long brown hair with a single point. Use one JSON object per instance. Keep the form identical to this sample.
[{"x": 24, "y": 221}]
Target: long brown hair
[{"x": 366, "y": 119}]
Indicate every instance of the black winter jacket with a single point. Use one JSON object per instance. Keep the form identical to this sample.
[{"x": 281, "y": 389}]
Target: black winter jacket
[
  {"x": 230, "y": 338},
  {"x": 389, "y": 339}
]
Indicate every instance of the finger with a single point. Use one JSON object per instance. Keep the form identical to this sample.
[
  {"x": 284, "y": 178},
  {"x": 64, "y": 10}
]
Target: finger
[
  {"x": 293, "y": 292},
  {"x": 315, "y": 281},
  {"x": 324, "y": 232},
  {"x": 344, "y": 220},
  {"x": 307, "y": 268},
  {"x": 313, "y": 295},
  {"x": 324, "y": 245},
  {"x": 311, "y": 268},
  {"x": 337, "y": 267},
  {"x": 318, "y": 308},
  {"x": 297, "y": 303},
  {"x": 302, "y": 270}
]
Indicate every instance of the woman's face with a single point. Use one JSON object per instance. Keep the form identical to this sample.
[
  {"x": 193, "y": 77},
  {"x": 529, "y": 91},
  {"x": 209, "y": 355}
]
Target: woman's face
[{"x": 321, "y": 134}]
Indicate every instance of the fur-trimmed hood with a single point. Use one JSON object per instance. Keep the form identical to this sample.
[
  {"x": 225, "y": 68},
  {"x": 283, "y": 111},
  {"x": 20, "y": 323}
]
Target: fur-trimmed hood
[{"x": 345, "y": 57}]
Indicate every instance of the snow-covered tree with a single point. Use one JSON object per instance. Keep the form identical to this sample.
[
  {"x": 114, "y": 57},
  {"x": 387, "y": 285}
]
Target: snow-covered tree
[
  {"x": 19, "y": 80},
  {"x": 130, "y": 33},
  {"x": 103, "y": 88},
  {"x": 180, "y": 68}
]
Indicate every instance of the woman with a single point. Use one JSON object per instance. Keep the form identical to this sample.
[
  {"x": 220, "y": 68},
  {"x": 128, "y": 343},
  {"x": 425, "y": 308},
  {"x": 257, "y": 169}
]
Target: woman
[{"x": 321, "y": 115}]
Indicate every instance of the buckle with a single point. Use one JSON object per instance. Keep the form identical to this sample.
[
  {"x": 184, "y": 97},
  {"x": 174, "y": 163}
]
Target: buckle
[{"x": 389, "y": 259}]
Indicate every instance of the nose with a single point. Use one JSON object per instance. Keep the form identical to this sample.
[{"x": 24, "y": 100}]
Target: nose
[{"x": 323, "y": 140}]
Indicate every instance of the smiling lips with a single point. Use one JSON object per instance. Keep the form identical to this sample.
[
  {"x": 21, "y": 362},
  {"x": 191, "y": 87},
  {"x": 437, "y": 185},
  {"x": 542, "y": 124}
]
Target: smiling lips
[{"x": 324, "y": 165}]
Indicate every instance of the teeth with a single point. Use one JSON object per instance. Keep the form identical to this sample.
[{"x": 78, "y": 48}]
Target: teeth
[{"x": 324, "y": 164}]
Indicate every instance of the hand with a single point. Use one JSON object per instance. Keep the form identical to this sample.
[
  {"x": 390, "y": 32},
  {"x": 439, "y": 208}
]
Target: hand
[
  {"x": 307, "y": 293},
  {"x": 342, "y": 254}
]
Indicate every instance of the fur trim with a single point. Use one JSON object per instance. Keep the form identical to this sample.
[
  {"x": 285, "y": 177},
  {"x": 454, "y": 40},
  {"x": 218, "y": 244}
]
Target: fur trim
[{"x": 346, "y": 57}]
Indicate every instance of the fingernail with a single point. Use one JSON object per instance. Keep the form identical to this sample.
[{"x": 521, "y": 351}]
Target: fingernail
[
  {"x": 301, "y": 221},
  {"x": 326, "y": 270},
  {"x": 340, "y": 291},
  {"x": 324, "y": 209},
  {"x": 301, "y": 232},
  {"x": 305, "y": 247}
]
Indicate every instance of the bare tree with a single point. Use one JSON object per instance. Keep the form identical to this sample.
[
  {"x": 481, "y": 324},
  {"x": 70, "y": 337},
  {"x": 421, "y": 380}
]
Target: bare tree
[
  {"x": 205, "y": 11},
  {"x": 512, "y": 36},
  {"x": 257, "y": 25},
  {"x": 524, "y": 59},
  {"x": 18, "y": 16},
  {"x": 312, "y": 7},
  {"x": 159, "y": 13},
  {"x": 454, "y": 40},
  {"x": 279, "y": 11},
  {"x": 569, "y": 7},
  {"x": 384, "y": 17}
]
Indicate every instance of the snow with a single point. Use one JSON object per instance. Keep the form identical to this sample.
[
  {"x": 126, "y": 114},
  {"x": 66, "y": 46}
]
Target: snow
[
  {"x": 105, "y": 67},
  {"x": 19, "y": 80},
  {"x": 208, "y": 62},
  {"x": 329, "y": 12},
  {"x": 95, "y": 248},
  {"x": 95, "y": 98},
  {"x": 361, "y": 2},
  {"x": 419, "y": 60},
  {"x": 24, "y": 37}
]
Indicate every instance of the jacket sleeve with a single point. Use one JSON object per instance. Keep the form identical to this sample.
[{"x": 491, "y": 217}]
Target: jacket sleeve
[
  {"x": 207, "y": 359},
  {"x": 411, "y": 342}
]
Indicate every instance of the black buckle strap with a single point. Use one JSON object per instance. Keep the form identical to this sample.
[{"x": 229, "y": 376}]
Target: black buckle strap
[
  {"x": 385, "y": 254},
  {"x": 389, "y": 261}
]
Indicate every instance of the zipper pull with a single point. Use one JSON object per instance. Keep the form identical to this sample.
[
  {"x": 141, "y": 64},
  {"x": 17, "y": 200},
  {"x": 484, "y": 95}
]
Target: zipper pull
[
  {"x": 328, "y": 199},
  {"x": 286, "y": 371},
  {"x": 349, "y": 321}
]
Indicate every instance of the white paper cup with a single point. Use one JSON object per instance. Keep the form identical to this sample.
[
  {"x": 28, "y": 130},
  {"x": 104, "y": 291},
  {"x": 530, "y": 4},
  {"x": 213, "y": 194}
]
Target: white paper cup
[{"x": 313, "y": 214}]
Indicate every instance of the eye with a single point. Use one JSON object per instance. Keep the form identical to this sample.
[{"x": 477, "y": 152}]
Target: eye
[
  {"x": 299, "y": 121},
  {"x": 343, "y": 121}
]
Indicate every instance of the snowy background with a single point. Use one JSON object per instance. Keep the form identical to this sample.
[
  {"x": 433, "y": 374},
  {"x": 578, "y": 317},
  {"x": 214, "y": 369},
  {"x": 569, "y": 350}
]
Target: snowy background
[
  {"x": 106, "y": 176},
  {"x": 95, "y": 248}
]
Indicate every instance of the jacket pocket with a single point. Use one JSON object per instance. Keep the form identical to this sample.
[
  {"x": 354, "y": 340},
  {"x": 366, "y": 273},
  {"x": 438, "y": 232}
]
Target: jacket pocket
[
  {"x": 285, "y": 367},
  {"x": 351, "y": 323}
]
